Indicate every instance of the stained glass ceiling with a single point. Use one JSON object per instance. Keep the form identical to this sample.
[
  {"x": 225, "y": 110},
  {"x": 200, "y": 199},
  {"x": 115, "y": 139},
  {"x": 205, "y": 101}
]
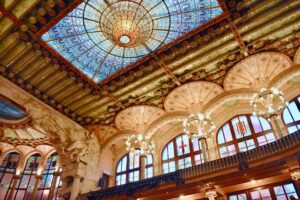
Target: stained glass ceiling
[
  {"x": 100, "y": 37},
  {"x": 10, "y": 112}
]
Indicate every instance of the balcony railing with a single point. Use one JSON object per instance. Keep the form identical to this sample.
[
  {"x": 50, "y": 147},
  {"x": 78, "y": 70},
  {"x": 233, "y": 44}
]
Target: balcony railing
[{"x": 239, "y": 160}]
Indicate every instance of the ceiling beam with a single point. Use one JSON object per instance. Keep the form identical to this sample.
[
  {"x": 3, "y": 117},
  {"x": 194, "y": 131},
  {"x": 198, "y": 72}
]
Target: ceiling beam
[
  {"x": 62, "y": 14},
  {"x": 37, "y": 38}
]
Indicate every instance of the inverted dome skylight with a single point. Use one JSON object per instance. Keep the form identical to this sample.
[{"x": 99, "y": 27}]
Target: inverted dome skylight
[{"x": 100, "y": 37}]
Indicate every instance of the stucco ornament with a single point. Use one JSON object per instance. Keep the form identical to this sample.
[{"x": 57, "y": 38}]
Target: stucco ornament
[{"x": 79, "y": 150}]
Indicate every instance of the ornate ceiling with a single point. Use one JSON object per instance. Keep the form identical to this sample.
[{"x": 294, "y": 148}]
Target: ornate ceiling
[
  {"x": 204, "y": 54},
  {"x": 100, "y": 37},
  {"x": 256, "y": 71},
  {"x": 191, "y": 97}
]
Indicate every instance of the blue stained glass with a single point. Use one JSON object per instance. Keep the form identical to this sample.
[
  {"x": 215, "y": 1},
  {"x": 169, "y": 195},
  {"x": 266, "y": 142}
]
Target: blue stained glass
[
  {"x": 10, "y": 112},
  {"x": 101, "y": 37}
]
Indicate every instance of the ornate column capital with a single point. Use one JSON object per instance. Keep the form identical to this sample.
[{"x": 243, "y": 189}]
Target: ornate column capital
[{"x": 295, "y": 173}]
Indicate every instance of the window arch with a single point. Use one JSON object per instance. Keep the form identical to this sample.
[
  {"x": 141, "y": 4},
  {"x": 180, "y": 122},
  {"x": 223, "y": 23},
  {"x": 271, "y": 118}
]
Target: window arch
[
  {"x": 291, "y": 115},
  {"x": 129, "y": 167},
  {"x": 7, "y": 170},
  {"x": 48, "y": 172},
  {"x": 182, "y": 152},
  {"x": 243, "y": 133},
  {"x": 25, "y": 186}
]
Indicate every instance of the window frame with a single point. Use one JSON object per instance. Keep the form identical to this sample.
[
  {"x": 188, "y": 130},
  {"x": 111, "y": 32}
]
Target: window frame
[
  {"x": 295, "y": 122},
  {"x": 128, "y": 170},
  {"x": 5, "y": 170},
  {"x": 270, "y": 187},
  {"x": 47, "y": 172},
  {"x": 235, "y": 141},
  {"x": 191, "y": 154},
  {"x": 29, "y": 172}
]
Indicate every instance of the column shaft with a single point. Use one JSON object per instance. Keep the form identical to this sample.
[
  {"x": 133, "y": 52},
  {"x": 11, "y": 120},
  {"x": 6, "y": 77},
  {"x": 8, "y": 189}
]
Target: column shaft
[
  {"x": 75, "y": 187},
  {"x": 53, "y": 186},
  {"x": 143, "y": 167},
  {"x": 36, "y": 185},
  {"x": 12, "y": 190}
]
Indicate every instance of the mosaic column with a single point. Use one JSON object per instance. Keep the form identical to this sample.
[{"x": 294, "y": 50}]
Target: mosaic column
[
  {"x": 53, "y": 185},
  {"x": 36, "y": 185},
  {"x": 75, "y": 187},
  {"x": 12, "y": 190}
]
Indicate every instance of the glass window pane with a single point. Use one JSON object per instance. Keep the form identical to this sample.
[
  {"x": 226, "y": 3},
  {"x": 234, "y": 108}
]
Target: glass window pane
[
  {"x": 235, "y": 124},
  {"x": 265, "y": 124},
  {"x": 289, "y": 188},
  {"x": 186, "y": 144},
  {"x": 292, "y": 129},
  {"x": 231, "y": 150},
  {"x": 294, "y": 111},
  {"x": 242, "y": 146},
  {"x": 265, "y": 193},
  {"x": 245, "y": 121},
  {"x": 278, "y": 190},
  {"x": 196, "y": 146},
  {"x": 165, "y": 154},
  {"x": 287, "y": 117},
  {"x": 124, "y": 163},
  {"x": 221, "y": 139},
  {"x": 171, "y": 150},
  {"x": 149, "y": 160},
  {"x": 227, "y": 132},
  {"x": 242, "y": 196},
  {"x": 233, "y": 197},
  {"x": 261, "y": 140},
  {"x": 256, "y": 124},
  {"x": 270, "y": 137},
  {"x": 250, "y": 144},
  {"x": 172, "y": 166},
  {"x": 255, "y": 195}
]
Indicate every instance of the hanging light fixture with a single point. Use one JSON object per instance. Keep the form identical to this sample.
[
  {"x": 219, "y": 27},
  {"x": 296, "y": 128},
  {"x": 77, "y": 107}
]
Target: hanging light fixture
[
  {"x": 268, "y": 102},
  {"x": 202, "y": 123},
  {"x": 138, "y": 144}
]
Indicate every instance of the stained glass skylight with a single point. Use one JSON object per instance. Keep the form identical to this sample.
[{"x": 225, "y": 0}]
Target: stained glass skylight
[
  {"x": 10, "y": 112},
  {"x": 100, "y": 37}
]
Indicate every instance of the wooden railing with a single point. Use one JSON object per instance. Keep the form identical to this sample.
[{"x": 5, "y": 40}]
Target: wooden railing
[{"x": 239, "y": 160}]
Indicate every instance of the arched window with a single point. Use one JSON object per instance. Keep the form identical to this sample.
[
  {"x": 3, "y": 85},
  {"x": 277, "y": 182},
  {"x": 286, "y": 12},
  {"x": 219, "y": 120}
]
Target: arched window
[
  {"x": 46, "y": 183},
  {"x": 181, "y": 152},
  {"x": 129, "y": 167},
  {"x": 7, "y": 171},
  {"x": 26, "y": 184},
  {"x": 291, "y": 115},
  {"x": 243, "y": 133}
]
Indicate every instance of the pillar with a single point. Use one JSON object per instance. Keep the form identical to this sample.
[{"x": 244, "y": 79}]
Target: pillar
[
  {"x": 295, "y": 173},
  {"x": 212, "y": 149},
  {"x": 204, "y": 150},
  {"x": 75, "y": 187},
  {"x": 36, "y": 186},
  {"x": 12, "y": 190},
  {"x": 53, "y": 185},
  {"x": 278, "y": 126},
  {"x": 143, "y": 166}
]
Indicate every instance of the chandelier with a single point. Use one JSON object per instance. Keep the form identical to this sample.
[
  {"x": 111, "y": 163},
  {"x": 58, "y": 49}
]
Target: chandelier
[
  {"x": 268, "y": 103},
  {"x": 138, "y": 144},
  {"x": 202, "y": 123}
]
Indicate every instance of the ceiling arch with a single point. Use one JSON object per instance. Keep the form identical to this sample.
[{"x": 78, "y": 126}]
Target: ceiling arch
[
  {"x": 256, "y": 71},
  {"x": 192, "y": 97},
  {"x": 137, "y": 118}
]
